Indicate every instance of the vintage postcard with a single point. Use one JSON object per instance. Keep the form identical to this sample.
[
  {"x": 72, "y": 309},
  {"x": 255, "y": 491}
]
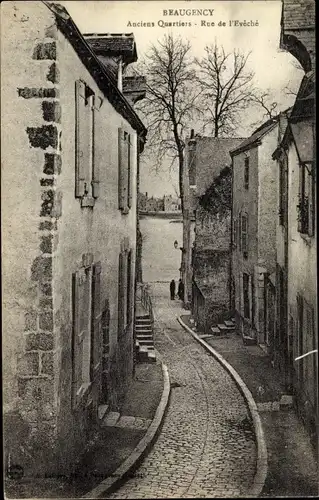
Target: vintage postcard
[{"x": 159, "y": 233}]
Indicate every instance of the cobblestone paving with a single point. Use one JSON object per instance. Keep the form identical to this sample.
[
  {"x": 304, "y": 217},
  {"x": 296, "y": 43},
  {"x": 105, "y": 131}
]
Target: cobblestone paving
[{"x": 206, "y": 447}]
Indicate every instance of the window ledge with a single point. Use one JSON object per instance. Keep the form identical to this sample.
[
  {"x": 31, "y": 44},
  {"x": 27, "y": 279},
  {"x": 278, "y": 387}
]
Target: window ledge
[{"x": 87, "y": 201}]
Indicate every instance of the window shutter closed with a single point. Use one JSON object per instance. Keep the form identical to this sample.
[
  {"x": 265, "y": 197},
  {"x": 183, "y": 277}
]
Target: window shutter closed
[
  {"x": 123, "y": 160},
  {"x": 82, "y": 153},
  {"x": 301, "y": 198},
  {"x": 96, "y": 320},
  {"x": 239, "y": 231},
  {"x": 95, "y": 162},
  {"x": 129, "y": 286},
  {"x": 244, "y": 232},
  {"x": 121, "y": 296},
  {"x": 311, "y": 190},
  {"x": 129, "y": 172},
  {"x": 79, "y": 329}
]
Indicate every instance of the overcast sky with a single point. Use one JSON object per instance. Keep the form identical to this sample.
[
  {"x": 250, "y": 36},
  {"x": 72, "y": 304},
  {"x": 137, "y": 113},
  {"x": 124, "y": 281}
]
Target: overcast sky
[{"x": 273, "y": 68}]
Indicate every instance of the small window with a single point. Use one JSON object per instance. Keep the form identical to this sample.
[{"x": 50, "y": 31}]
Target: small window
[
  {"x": 246, "y": 173},
  {"x": 306, "y": 211}
]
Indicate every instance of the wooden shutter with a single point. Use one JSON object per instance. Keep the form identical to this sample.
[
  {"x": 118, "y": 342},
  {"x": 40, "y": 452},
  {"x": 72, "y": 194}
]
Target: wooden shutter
[
  {"x": 234, "y": 233},
  {"x": 80, "y": 328},
  {"x": 82, "y": 149},
  {"x": 239, "y": 231},
  {"x": 123, "y": 173},
  {"x": 129, "y": 173},
  {"x": 301, "y": 198},
  {"x": 95, "y": 161},
  {"x": 96, "y": 331},
  {"x": 311, "y": 202},
  {"x": 121, "y": 295},
  {"x": 129, "y": 290},
  {"x": 244, "y": 232}
]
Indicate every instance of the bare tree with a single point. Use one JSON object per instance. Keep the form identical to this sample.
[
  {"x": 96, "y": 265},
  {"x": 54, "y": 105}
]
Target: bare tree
[
  {"x": 171, "y": 103},
  {"x": 265, "y": 101},
  {"x": 227, "y": 87}
]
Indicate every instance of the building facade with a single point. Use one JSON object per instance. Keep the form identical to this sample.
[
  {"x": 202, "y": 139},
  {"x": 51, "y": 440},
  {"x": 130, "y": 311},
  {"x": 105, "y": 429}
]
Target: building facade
[
  {"x": 210, "y": 184},
  {"x": 296, "y": 276},
  {"x": 254, "y": 213},
  {"x": 69, "y": 167}
]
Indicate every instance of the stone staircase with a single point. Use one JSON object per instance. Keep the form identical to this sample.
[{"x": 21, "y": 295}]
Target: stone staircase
[
  {"x": 144, "y": 339},
  {"x": 228, "y": 326}
]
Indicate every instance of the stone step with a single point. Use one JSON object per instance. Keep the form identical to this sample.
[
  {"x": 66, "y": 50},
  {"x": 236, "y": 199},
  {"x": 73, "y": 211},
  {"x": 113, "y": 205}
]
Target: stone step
[
  {"x": 206, "y": 336},
  {"x": 144, "y": 332},
  {"x": 223, "y": 327},
  {"x": 111, "y": 419},
  {"x": 230, "y": 324},
  {"x": 151, "y": 357},
  {"x": 102, "y": 411},
  {"x": 147, "y": 342},
  {"x": 143, "y": 318},
  {"x": 215, "y": 330}
]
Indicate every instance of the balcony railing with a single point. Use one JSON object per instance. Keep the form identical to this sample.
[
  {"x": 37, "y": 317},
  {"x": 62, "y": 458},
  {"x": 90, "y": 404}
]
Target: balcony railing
[{"x": 143, "y": 296}]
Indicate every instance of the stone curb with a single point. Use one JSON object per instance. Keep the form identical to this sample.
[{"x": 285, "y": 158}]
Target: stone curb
[
  {"x": 114, "y": 481},
  {"x": 262, "y": 465}
]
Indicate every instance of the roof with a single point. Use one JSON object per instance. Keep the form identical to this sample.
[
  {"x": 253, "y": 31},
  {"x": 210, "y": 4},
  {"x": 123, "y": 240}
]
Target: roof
[
  {"x": 303, "y": 110},
  {"x": 212, "y": 155},
  {"x": 113, "y": 44},
  {"x": 98, "y": 71},
  {"x": 304, "y": 106},
  {"x": 255, "y": 138}
]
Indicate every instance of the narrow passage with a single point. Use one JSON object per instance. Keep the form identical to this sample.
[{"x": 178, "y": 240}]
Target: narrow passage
[{"x": 206, "y": 447}]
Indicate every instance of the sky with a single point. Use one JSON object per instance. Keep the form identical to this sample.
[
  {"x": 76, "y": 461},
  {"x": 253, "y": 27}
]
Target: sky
[{"x": 273, "y": 67}]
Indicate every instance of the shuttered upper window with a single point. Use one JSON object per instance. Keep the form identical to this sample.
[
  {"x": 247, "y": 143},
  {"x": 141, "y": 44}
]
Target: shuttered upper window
[
  {"x": 125, "y": 170},
  {"x": 244, "y": 234},
  {"x": 86, "y": 168}
]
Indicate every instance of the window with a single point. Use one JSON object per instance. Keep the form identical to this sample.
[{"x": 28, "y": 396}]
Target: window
[
  {"x": 86, "y": 355},
  {"x": 246, "y": 173},
  {"x": 306, "y": 207},
  {"x": 307, "y": 343},
  {"x": 125, "y": 293},
  {"x": 244, "y": 235},
  {"x": 283, "y": 190},
  {"x": 125, "y": 171},
  {"x": 234, "y": 233},
  {"x": 246, "y": 295},
  {"x": 86, "y": 169}
]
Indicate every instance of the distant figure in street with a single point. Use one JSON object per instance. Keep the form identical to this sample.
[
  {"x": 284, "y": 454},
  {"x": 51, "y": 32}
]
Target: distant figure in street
[
  {"x": 172, "y": 289},
  {"x": 181, "y": 290}
]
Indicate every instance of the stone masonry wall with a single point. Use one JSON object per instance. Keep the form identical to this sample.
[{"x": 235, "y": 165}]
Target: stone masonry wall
[{"x": 31, "y": 164}]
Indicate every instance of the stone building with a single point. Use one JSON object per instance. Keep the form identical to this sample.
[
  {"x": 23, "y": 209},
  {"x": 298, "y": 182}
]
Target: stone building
[
  {"x": 70, "y": 146},
  {"x": 210, "y": 183},
  {"x": 254, "y": 213},
  {"x": 171, "y": 204},
  {"x": 296, "y": 273}
]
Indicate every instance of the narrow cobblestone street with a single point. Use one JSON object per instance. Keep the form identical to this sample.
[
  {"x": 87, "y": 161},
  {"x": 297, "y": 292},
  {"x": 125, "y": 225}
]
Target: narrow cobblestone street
[{"x": 206, "y": 447}]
